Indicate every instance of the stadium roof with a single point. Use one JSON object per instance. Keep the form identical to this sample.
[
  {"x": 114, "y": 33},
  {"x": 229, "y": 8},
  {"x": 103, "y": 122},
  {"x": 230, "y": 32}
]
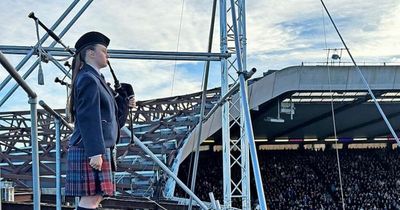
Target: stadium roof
[{"x": 307, "y": 92}]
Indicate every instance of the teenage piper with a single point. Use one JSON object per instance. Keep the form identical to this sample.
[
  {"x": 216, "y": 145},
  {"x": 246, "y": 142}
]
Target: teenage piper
[{"x": 98, "y": 115}]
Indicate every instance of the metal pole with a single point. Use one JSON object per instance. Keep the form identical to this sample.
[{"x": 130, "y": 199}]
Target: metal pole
[
  {"x": 59, "y": 51},
  {"x": 225, "y": 109},
  {"x": 203, "y": 104},
  {"x": 35, "y": 155},
  {"x": 364, "y": 80},
  {"x": 253, "y": 148},
  {"x": 247, "y": 120},
  {"x": 27, "y": 73},
  {"x": 58, "y": 163},
  {"x": 34, "y": 143},
  {"x": 32, "y": 51},
  {"x": 58, "y": 120},
  {"x": 13, "y": 73},
  {"x": 170, "y": 186},
  {"x": 221, "y": 101},
  {"x": 127, "y": 54},
  {"x": 213, "y": 201},
  {"x": 51, "y": 45},
  {"x": 54, "y": 113},
  {"x": 245, "y": 159},
  {"x": 166, "y": 169}
]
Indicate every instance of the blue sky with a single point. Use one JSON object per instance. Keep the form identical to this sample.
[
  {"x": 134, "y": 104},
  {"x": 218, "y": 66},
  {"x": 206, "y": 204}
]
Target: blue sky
[{"x": 279, "y": 34}]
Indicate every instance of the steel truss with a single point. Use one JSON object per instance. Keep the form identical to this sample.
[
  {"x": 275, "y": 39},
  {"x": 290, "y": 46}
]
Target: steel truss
[
  {"x": 161, "y": 108},
  {"x": 16, "y": 145},
  {"x": 236, "y": 149},
  {"x": 152, "y": 116}
]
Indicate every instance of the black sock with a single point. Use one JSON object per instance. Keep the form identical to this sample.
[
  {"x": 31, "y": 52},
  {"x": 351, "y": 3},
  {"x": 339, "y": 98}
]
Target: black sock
[{"x": 81, "y": 208}]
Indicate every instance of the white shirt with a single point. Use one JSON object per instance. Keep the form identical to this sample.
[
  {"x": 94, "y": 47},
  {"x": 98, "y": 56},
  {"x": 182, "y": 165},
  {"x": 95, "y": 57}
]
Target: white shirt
[{"x": 98, "y": 70}]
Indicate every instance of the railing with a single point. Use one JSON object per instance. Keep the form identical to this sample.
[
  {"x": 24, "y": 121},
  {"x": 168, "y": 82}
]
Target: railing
[
  {"x": 58, "y": 119},
  {"x": 35, "y": 154}
]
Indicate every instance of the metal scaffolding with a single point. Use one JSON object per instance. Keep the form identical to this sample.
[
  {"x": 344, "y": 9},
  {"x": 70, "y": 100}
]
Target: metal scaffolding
[
  {"x": 233, "y": 76},
  {"x": 236, "y": 148}
]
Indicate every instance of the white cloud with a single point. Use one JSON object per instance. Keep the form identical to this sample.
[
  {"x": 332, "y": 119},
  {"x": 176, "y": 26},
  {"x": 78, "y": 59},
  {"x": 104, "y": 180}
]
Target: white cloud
[
  {"x": 369, "y": 29},
  {"x": 279, "y": 33}
]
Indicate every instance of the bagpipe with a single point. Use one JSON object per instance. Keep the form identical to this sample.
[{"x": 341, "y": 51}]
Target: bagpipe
[
  {"x": 120, "y": 89},
  {"x": 123, "y": 89}
]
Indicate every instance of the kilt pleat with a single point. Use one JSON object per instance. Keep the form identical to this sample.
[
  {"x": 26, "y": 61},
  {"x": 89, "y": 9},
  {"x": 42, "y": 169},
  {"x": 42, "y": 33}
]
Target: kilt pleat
[{"x": 83, "y": 180}]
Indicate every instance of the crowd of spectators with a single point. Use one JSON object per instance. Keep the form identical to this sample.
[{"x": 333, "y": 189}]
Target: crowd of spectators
[{"x": 309, "y": 179}]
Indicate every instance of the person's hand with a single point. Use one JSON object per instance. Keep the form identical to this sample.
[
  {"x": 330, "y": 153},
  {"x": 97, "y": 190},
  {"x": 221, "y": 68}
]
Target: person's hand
[
  {"x": 96, "y": 162},
  {"x": 132, "y": 102}
]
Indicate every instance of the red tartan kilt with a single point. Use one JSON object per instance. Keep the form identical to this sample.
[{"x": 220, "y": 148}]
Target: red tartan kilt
[{"x": 83, "y": 180}]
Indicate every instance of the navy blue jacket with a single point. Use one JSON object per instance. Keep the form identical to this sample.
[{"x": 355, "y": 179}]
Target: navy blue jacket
[{"x": 96, "y": 113}]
